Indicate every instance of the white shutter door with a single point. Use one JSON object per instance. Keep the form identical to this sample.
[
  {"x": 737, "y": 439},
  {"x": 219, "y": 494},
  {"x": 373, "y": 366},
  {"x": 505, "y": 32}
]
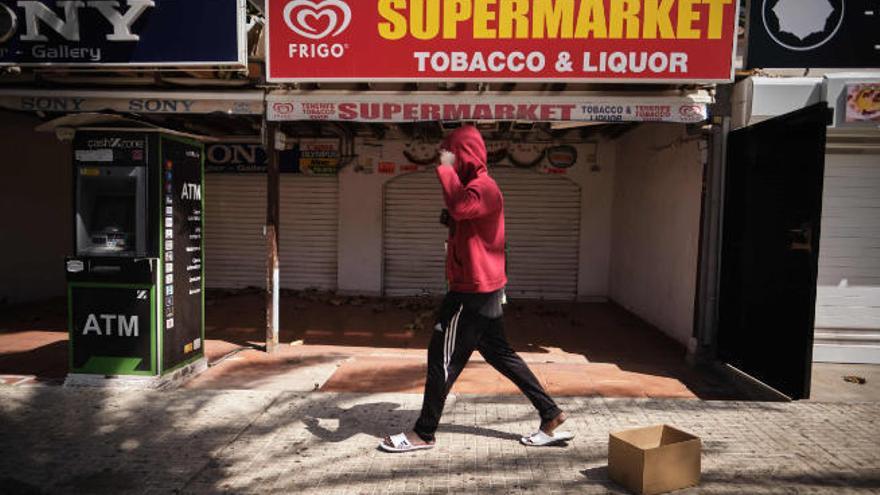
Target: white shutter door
[
  {"x": 848, "y": 295},
  {"x": 543, "y": 218},
  {"x": 309, "y": 227},
  {"x": 235, "y": 249},
  {"x": 234, "y": 219},
  {"x": 414, "y": 239},
  {"x": 542, "y": 224}
]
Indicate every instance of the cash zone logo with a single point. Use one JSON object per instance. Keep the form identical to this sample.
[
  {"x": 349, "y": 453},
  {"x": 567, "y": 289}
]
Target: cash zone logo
[{"x": 317, "y": 20}]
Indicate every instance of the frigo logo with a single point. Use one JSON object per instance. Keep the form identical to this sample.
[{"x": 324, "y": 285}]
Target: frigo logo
[{"x": 317, "y": 20}]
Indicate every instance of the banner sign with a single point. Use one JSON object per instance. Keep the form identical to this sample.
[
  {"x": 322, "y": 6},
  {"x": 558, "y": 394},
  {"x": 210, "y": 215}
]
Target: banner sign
[
  {"x": 309, "y": 157},
  {"x": 813, "y": 33},
  {"x": 416, "y": 107},
  {"x": 242, "y": 103},
  {"x": 126, "y": 33},
  {"x": 236, "y": 158},
  {"x": 319, "y": 157},
  {"x": 505, "y": 40},
  {"x": 863, "y": 103}
]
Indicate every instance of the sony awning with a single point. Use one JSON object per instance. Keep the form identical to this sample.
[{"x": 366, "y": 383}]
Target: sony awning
[{"x": 138, "y": 102}]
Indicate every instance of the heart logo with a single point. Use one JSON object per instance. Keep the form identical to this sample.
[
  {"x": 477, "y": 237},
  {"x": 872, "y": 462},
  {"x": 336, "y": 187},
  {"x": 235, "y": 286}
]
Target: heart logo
[
  {"x": 283, "y": 108},
  {"x": 304, "y": 17}
]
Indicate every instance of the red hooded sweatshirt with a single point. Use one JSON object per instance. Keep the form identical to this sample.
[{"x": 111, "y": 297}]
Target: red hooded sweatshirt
[{"x": 475, "y": 251}]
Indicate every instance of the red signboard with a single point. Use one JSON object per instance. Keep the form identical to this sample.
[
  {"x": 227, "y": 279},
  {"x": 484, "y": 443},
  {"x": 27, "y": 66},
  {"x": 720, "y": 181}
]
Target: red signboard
[{"x": 501, "y": 40}]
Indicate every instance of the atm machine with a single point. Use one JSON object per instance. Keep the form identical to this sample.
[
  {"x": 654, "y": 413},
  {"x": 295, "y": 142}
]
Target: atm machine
[{"x": 135, "y": 281}]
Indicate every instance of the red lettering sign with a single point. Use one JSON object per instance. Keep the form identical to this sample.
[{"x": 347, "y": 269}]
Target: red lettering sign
[{"x": 550, "y": 40}]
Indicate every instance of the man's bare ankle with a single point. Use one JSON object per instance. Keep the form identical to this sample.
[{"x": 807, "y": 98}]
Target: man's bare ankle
[
  {"x": 549, "y": 426},
  {"x": 415, "y": 439}
]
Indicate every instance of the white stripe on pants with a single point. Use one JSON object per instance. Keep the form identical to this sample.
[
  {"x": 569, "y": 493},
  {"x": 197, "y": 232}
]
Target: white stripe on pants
[{"x": 449, "y": 343}]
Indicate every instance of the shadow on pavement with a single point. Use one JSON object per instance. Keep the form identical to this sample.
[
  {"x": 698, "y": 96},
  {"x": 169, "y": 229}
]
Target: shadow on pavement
[{"x": 63, "y": 440}]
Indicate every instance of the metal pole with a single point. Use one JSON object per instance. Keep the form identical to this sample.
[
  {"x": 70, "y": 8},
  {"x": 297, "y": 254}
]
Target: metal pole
[
  {"x": 273, "y": 283},
  {"x": 706, "y": 324}
]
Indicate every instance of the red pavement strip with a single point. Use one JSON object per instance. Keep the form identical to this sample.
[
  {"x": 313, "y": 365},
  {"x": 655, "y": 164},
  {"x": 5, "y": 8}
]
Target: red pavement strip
[
  {"x": 560, "y": 379},
  {"x": 574, "y": 349}
]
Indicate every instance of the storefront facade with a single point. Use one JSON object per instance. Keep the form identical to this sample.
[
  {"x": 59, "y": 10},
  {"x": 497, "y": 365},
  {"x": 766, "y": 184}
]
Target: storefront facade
[
  {"x": 611, "y": 159},
  {"x": 847, "y": 309}
]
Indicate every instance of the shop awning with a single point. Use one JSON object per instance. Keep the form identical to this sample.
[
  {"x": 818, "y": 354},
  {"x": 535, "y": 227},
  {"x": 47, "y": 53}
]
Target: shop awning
[
  {"x": 110, "y": 122},
  {"x": 139, "y": 102},
  {"x": 388, "y": 107}
]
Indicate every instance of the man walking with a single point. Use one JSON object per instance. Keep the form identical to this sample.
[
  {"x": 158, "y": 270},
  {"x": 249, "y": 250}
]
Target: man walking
[{"x": 470, "y": 317}]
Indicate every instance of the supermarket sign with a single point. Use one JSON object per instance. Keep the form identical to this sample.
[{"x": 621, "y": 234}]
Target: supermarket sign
[
  {"x": 415, "y": 107},
  {"x": 682, "y": 41}
]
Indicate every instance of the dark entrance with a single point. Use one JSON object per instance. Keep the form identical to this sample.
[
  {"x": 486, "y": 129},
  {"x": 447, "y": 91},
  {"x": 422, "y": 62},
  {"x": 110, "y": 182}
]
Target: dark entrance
[{"x": 770, "y": 251}]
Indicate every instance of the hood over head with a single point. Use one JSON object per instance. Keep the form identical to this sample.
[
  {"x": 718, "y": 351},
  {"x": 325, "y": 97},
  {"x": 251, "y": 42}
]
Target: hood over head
[{"x": 467, "y": 144}]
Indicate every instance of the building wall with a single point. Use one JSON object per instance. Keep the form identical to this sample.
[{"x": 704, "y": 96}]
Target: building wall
[
  {"x": 36, "y": 198},
  {"x": 656, "y": 226},
  {"x": 361, "y": 198}
]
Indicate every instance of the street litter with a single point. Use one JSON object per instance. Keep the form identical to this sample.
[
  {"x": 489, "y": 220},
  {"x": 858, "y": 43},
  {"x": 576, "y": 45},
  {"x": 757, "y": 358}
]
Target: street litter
[{"x": 654, "y": 459}]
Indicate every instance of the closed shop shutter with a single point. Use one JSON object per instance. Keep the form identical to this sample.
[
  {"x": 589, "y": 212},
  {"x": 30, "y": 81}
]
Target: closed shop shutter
[
  {"x": 848, "y": 295},
  {"x": 542, "y": 224},
  {"x": 543, "y": 219},
  {"x": 309, "y": 227},
  {"x": 414, "y": 239},
  {"x": 236, "y": 248}
]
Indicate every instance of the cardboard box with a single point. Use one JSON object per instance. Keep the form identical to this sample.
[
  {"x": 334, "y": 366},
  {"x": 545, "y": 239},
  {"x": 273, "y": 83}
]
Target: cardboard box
[{"x": 655, "y": 459}]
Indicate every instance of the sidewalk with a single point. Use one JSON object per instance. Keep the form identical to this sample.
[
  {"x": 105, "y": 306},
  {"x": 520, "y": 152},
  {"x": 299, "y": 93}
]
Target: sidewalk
[
  {"x": 377, "y": 345},
  {"x": 57, "y": 440}
]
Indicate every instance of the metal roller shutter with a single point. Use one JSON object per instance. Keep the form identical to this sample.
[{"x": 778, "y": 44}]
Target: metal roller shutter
[
  {"x": 236, "y": 247},
  {"x": 414, "y": 239},
  {"x": 543, "y": 220},
  {"x": 542, "y": 225},
  {"x": 309, "y": 227},
  {"x": 848, "y": 295}
]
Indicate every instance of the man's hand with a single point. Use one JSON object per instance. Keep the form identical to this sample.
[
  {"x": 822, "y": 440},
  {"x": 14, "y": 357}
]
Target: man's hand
[
  {"x": 447, "y": 158},
  {"x": 444, "y": 217}
]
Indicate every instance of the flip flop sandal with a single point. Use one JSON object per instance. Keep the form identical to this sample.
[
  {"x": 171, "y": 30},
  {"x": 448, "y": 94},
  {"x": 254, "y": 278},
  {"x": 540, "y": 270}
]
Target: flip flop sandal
[
  {"x": 400, "y": 443},
  {"x": 541, "y": 439}
]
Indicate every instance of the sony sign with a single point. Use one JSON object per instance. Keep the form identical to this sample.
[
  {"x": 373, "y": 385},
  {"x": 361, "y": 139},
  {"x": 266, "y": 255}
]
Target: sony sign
[
  {"x": 37, "y": 17},
  {"x": 103, "y": 32},
  {"x": 235, "y": 158},
  {"x": 235, "y": 154}
]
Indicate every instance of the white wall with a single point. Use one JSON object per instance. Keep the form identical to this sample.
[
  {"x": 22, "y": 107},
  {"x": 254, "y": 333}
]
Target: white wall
[
  {"x": 361, "y": 195},
  {"x": 597, "y": 190},
  {"x": 36, "y": 205},
  {"x": 656, "y": 226},
  {"x": 360, "y": 226}
]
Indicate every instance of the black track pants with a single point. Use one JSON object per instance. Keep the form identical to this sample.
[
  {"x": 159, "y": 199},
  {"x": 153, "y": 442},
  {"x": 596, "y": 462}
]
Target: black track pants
[{"x": 454, "y": 339}]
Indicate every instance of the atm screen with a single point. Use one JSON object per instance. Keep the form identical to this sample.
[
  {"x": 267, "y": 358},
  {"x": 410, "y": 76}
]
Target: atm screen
[
  {"x": 113, "y": 223},
  {"x": 109, "y": 211}
]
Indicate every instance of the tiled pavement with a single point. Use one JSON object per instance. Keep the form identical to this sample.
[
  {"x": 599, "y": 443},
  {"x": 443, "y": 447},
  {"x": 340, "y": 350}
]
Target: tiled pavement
[{"x": 59, "y": 440}]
